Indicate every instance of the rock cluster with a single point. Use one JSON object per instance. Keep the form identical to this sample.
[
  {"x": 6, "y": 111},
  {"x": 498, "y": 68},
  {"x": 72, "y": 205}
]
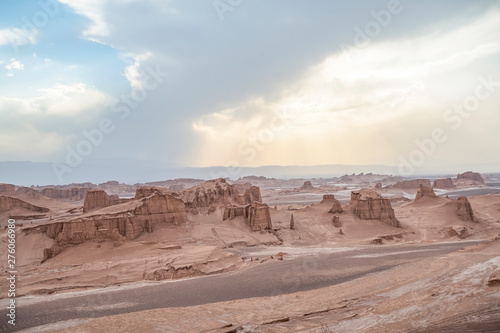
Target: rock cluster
[
  {"x": 233, "y": 211},
  {"x": 75, "y": 193},
  {"x": 369, "y": 205},
  {"x": 412, "y": 183},
  {"x": 471, "y": 176},
  {"x": 115, "y": 223},
  {"x": 443, "y": 183},
  {"x": 95, "y": 199},
  {"x": 464, "y": 212},
  {"x": 425, "y": 191}
]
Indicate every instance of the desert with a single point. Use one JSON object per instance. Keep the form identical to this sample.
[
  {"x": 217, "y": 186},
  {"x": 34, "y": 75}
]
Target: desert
[
  {"x": 228, "y": 262},
  {"x": 231, "y": 166}
]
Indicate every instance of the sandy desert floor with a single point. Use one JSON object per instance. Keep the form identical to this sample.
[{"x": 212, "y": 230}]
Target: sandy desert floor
[{"x": 456, "y": 290}]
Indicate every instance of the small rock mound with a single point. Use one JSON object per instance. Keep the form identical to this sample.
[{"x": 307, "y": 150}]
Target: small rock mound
[
  {"x": 307, "y": 186},
  {"x": 425, "y": 191},
  {"x": 465, "y": 212}
]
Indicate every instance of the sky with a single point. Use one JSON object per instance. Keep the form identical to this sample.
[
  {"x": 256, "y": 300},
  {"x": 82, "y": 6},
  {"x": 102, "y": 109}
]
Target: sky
[{"x": 250, "y": 83}]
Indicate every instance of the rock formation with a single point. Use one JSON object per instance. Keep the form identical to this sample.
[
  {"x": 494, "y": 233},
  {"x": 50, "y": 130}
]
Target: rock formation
[
  {"x": 336, "y": 222},
  {"x": 218, "y": 192},
  {"x": 369, "y": 205},
  {"x": 126, "y": 221},
  {"x": 443, "y": 183},
  {"x": 292, "y": 223},
  {"x": 471, "y": 176},
  {"x": 233, "y": 211},
  {"x": 95, "y": 199},
  {"x": 7, "y": 203},
  {"x": 258, "y": 217},
  {"x": 75, "y": 193},
  {"x": 307, "y": 186},
  {"x": 378, "y": 186},
  {"x": 464, "y": 209},
  {"x": 412, "y": 183},
  {"x": 7, "y": 189},
  {"x": 425, "y": 191}
]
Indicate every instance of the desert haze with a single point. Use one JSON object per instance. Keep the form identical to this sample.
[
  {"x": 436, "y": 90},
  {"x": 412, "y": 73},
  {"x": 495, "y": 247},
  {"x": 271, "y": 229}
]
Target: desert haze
[{"x": 232, "y": 166}]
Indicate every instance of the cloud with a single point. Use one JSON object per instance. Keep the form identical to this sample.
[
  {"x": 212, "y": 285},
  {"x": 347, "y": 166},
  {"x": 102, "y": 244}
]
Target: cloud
[
  {"x": 15, "y": 36},
  {"x": 42, "y": 125},
  {"x": 14, "y": 64},
  {"x": 361, "y": 102},
  {"x": 133, "y": 72}
]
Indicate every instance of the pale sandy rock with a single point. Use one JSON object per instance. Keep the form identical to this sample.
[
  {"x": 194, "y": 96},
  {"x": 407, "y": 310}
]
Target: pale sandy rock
[
  {"x": 369, "y": 205},
  {"x": 471, "y": 176},
  {"x": 425, "y": 191},
  {"x": 460, "y": 232},
  {"x": 464, "y": 212},
  {"x": 443, "y": 183}
]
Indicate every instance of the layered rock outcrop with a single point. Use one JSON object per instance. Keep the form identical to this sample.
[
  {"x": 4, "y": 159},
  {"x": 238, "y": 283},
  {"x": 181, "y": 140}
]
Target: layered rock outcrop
[
  {"x": 443, "y": 183},
  {"x": 369, "y": 205},
  {"x": 258, "y": 217},
  {"x": 412, "y": 183},
  {"x": 75, "y": 193},
  {"x": 425, "y": 191},
  {"x": 471, "y": 176},
  {"x": 464, "y": 211},
  {"x": 95, "y": 199},
  {"x": 7, "y": 189},
  {"x": 125, "y": 221},
  {"x": 233, "y": 211},
  {"x": 7, "y": 203}
]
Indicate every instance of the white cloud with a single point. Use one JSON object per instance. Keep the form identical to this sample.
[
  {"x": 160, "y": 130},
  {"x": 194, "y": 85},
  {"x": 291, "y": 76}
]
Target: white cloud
[
  {"x": 32, "y": 127},
  {"x": 132, "y": 73},
  {"x": 338, "y": 102},
  {"x": 15, "y": 64},
  {"x": 94, "y": 10},
  {"x": 16, "y": 36}
]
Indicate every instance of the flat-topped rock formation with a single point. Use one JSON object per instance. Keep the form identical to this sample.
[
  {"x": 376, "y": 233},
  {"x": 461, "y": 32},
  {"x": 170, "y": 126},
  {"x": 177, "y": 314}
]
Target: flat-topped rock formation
[
  {"x": 474, "y": 176},
  {"x": 95, "y": 199},
  {"x": 258, "y": 217},
  {"x": 443, "y": 183},
  {"x": 7, "y": 189},
  {"x": 369, "y": 205},
  {"x": 464, "y": 212},
  {"x": 412, "y": 183},
  {"x": 74, "y": 193},
  {"x": 425, "y": 191},
  {"x": 7, "y": 203}
]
